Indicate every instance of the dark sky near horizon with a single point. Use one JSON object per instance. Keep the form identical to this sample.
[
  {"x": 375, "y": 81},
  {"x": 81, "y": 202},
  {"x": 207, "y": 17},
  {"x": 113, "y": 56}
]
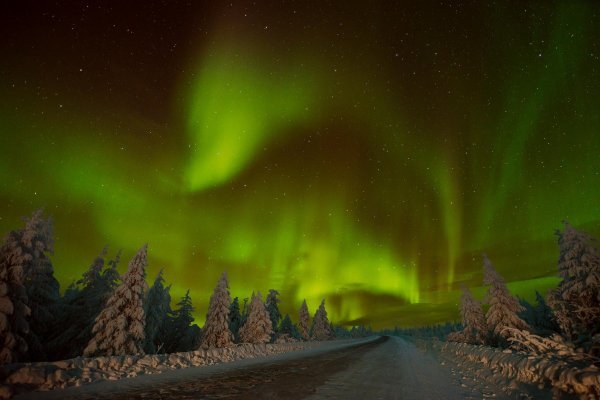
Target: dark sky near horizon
[{"x": 366, "y": 154}]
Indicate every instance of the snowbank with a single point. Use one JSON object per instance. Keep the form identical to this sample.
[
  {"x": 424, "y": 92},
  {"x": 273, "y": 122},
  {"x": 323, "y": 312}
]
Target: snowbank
[
  {"x": 578, "y": 378},
  {"x": 18, "y": 378}
]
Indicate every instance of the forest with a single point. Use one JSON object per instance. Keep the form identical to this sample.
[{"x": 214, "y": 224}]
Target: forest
[{"x": 106, "y": 314}]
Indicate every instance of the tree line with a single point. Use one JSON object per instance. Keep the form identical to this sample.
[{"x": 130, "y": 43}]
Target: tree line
[
  {"x": 104, "y": 313},
  {"x": 569, "y": 316}
]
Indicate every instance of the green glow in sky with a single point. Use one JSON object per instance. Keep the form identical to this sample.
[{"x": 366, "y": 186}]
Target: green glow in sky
[
  {"x": 237, "y": 106},
  {"x": 308, "y": 151}
]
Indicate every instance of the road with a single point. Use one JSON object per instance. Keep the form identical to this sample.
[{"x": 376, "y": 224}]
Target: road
[{"x": 381, "y": 368}]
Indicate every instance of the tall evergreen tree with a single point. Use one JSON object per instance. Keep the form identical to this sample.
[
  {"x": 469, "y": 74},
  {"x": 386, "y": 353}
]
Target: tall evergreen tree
[
  {"x": 576, "y": 300},
  {"x": 271, "y": 303},
  {"x": 79, "y": 308},
  {"x": 41, "y": 286},
  {"x": 14, "y": 311},
  {"x": 91, "y": 278},
  {"x": 180, "y": 326},
  {"x": 119, "y": 329},
  {"x": 244, "y": 313},
  {"x": 504, "y": 307},
  {"x": 258, "y": 326},
  {"x": 165, "y": 336},
  {"x": 287, "y": 327},
  {"x": 320, "y": 329},
  {"x": 157, "y": 309},
  {"x": 216, "y": 331},
  {"x": 473, "y": 319},
  {"x": 235, "y": 319},
  {"x": 303, "y": 321},
  {"x": 110, "y": 278}
]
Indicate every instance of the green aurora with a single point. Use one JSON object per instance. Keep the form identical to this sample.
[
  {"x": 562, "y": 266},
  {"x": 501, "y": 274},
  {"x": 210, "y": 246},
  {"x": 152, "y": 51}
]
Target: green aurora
[{"x": 365, "y": 156}]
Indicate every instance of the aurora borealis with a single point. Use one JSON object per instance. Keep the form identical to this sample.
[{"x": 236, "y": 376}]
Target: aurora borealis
[{"x": 365, "y": 154}]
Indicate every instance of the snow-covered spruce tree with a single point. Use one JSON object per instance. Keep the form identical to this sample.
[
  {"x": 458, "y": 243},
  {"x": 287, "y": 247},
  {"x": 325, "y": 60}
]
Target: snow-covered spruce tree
[
  {"x": 157, "y": 308},
  {"x": 13, "y": 300},
  {"x": 271, "y": 303},
  {"x": 473, "y": 319},
  {"x": 216, "y": 331},
  {"x": 179, "y": 326},
  {"x": 576, "y": 300},
  {"x": 504, "y": 307},
  {"x": 303, "y": 321},
  {"x": 119, "y": 329},
  {"x": 41, "y": 286},
  {"x": 235, "y": 319},
  {"x": 320, "y": 329},
  {"x": 258, "y": 326}
]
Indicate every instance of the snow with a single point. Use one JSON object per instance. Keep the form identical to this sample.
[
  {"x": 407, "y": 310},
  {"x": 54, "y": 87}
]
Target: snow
[
  {"x": 105, "y": 373},
  {"x": 546, "y": 372}
]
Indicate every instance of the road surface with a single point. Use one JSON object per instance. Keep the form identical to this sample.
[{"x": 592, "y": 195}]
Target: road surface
[{"x": 380, "y": 368}]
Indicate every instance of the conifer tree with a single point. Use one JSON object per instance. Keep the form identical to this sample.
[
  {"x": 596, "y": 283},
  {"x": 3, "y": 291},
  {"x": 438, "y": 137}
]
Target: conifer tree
[
  {"x": 110, "y": 278},
  {"x": 28, "y": 267},
  {"x": 287, "y": 327},
  {"x": 576, "y": 300},
  {"x": 244, "y": 310},
  {"x": 157, "y": 309},
  {"x": 303, "y": 321},
  {"x": 91, "y": 278},
  {"x": 80, "y": 305},
  {"x": 119, "y": 329},
  {"x": 258, "y": 326},
  {"x": 235, "y": 319},
  {"x": 504, "y": 307},
  {"x": 191, "y": 339},
  {"x": 271, "y": 303},
  {"x": 539, "y": 316},
  {"x": 320, "y": 329},
  {"x": 79, "y": 308},
  {"x": 180, "y": 324},
  {"x": 41, "y": 286},
  {"x": 545, "y": 321},
  {"x": 473, "y": 319},
  {"x": 216, "y": 331},
  {"x": 13, "y": 300}
]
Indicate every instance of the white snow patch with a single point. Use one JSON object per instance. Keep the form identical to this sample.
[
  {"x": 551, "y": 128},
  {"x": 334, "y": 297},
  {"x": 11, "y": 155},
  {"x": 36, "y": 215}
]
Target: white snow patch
[{"x": 46, "y": 376}]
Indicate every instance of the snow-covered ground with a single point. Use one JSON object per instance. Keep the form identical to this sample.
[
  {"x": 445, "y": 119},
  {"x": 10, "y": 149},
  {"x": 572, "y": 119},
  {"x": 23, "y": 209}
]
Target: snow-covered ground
[
  {"x": 175, "y": 371},
  {"x": 371, "y": 368},
  {"x": 523, "y": 372}
]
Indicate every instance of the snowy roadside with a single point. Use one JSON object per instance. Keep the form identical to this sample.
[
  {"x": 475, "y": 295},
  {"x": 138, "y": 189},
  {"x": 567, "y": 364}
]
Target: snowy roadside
[
  {"x": 38, "y": 380},
  {"x": 523, "y": 371}
]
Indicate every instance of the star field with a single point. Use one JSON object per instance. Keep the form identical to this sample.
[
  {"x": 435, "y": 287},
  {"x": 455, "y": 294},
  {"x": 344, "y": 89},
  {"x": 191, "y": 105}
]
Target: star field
[{"x": 365, "y": 154}]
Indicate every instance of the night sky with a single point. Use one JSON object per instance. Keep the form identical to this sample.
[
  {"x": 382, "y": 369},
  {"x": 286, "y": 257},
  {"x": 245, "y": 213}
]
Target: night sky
[{"x": 363, "y": 153}]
